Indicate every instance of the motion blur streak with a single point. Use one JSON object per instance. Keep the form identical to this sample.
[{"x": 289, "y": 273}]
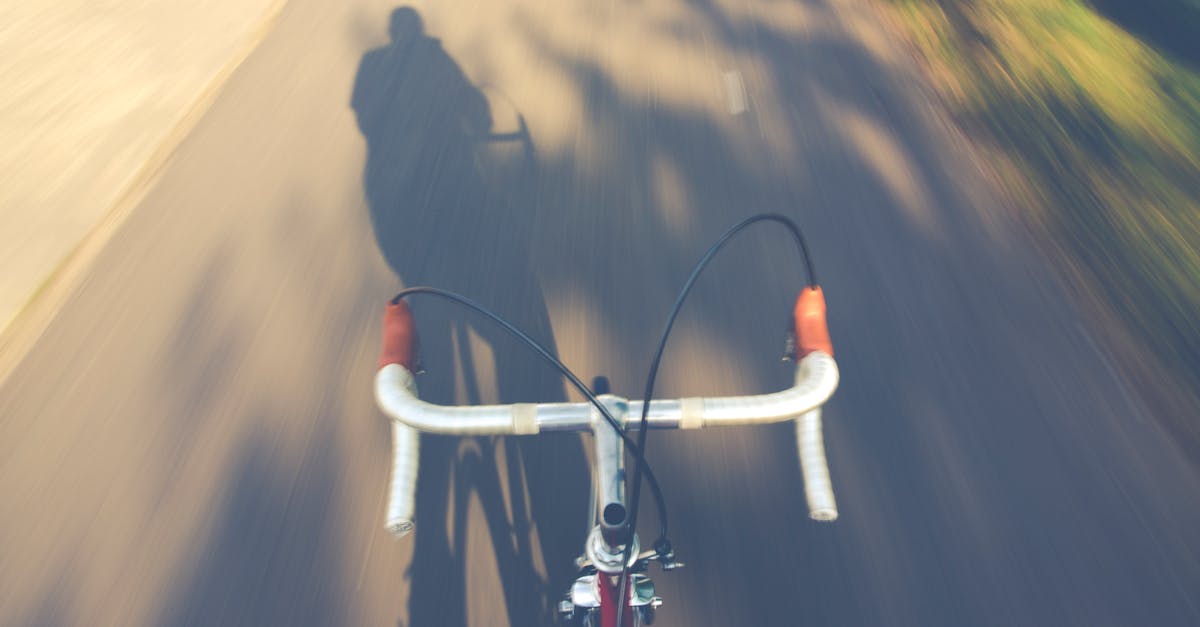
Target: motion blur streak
[
  {"x": 90, "y": 94},
  {"x": 194, "y": 439}
]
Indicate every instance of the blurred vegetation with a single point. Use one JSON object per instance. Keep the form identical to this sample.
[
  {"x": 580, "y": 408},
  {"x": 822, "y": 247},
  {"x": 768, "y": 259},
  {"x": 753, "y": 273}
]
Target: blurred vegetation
[{"x": 1093, "y": 110}]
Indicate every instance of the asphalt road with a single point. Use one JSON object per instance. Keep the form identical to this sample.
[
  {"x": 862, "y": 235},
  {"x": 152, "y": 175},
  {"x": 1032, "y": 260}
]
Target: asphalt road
[{"x": 193, "y": 440}]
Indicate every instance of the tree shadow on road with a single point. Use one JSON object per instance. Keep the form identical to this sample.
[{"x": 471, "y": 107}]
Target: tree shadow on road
[
  {"x": 929, "y": 370},
  {"x": 1170, "y": 26},
  {"x": 270, "y": 536}
]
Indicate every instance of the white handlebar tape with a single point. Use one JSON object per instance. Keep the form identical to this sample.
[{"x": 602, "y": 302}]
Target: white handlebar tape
[
  {"x": 817, "y": 486},
  {"x": 402, "y": 500}
]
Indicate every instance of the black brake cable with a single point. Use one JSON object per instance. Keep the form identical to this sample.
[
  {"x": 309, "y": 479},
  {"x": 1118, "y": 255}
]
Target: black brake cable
[
  {"x": 634, "y": 448},
  {"x": 662, "y": 344}
]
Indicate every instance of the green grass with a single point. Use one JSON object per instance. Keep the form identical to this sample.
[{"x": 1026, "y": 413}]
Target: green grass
[{"x": 1094, "y": 112}]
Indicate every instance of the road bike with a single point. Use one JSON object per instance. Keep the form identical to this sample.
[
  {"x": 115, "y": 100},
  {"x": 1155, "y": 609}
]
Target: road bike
[{"x": 613, "y": 564}]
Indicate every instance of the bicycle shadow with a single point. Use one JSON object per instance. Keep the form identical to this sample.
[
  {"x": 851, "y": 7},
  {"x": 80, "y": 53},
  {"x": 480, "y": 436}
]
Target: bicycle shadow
[{"x": 435, "y": 217}]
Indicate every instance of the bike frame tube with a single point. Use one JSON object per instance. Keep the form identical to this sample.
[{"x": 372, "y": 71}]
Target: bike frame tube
[{"x": 608, "y": 587}]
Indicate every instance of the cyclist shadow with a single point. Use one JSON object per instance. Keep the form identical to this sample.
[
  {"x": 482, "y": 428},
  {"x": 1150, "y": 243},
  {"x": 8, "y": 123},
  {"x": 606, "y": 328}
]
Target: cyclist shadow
[{"x": 439, "y": 221}]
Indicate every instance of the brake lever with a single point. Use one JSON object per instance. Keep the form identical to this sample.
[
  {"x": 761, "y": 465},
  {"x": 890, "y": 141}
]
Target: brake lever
[{"x": 665, "y": 554}]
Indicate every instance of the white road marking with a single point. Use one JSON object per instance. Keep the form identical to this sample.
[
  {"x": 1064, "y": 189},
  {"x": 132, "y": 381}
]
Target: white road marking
[{"x": 735, "y": 92}]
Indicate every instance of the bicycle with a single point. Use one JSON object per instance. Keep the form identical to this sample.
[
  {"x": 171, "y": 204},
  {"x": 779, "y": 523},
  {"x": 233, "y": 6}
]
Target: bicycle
[{"x": 613, "y": 564}]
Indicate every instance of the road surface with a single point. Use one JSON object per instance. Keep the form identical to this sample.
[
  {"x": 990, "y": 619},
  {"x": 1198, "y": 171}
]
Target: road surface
[{"x": 193, "y": 439}]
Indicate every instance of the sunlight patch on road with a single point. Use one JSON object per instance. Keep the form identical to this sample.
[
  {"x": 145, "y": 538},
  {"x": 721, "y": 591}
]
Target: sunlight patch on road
[
  {"x": 583, "y": 335},
  {"x": 670, "y": 193},
  {"x": 862, "y": 23},
  {"x": 880, "y": 150},
  {"x": 704, "y": 362},
  {"x": 484, "y": 580}
]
